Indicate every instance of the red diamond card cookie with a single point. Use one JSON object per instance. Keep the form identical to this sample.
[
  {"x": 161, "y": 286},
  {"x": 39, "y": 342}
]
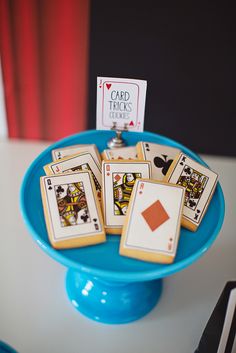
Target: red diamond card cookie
[
  {"x": 118, "y": 178},
  {"x": 152, "y": 226},
  {"x": 199, "y": 182}
]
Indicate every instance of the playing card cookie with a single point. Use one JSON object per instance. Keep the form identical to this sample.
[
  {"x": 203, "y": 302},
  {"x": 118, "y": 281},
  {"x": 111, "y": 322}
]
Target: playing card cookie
[
  {"x": 63, "y": 152},
  {"x": 78, "y": 162},
  {"x": 161, "y": 157},
  {"x": 199, "y": 183},
  {"x": 72, "y": 211},
  {"x": 118, "y": 178},
  {"x": 120, "y": 153},
  {"x": 152, "y": 225}
]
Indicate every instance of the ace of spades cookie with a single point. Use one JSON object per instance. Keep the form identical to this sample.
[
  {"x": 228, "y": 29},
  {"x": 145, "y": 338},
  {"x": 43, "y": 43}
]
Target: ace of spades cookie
[
  {"x": 152, "y": 226},
  {"x": 77, "y": 162},
  {"x": 161, "y": 157},
  {"x": 118, "y": 178},
  {"x": 120, "y": 103},
  {"x": 72, "y": 211},
  {"x": 199, "y": 182}
]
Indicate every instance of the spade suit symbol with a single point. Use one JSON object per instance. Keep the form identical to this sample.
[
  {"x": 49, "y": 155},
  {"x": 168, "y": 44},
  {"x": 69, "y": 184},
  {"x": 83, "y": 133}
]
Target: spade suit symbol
[{"x": 163, "y": 163}]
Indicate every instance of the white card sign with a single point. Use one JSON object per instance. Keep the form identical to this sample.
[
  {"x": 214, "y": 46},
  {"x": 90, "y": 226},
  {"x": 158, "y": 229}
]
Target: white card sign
[{"x": 121, "y": 102}]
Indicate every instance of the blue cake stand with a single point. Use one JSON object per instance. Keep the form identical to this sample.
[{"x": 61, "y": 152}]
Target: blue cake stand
[{"x": 100, "y": 283}]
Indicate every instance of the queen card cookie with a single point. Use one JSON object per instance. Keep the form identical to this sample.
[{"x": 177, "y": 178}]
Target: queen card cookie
[
  {"x": 161, "y": 157},
  {"x": 82, "y": 161},
  {"x": 129, "y": 152},
  {"x": 152, "y": 226},
  {"x": 63, "y": 152},
  {"x": 118, "y": 178},
  {"x": 199, "y": 183},
  {"x": 72, "y": 211}
]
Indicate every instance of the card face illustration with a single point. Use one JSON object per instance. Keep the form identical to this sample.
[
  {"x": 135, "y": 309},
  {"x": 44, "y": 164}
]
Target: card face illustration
[
  {"x": 152, "y": 226},
  {"x": 72, "y": 211},
  {"x": 118, "y": 181},
  {"x": 120, "y": 153},
  {"x": 161, "y": 157},
  {"x": 120, "y": 103},
  {"x": 79, "y": 162},
  {"x": 63, "y": 152},
  {"x": 199, "y": 183}
]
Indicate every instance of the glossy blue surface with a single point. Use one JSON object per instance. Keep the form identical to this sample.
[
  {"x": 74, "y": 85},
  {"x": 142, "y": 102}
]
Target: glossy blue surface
[
  {"x": 4, "y": 348},
  {"x": 111, "y": 302},
  {"x": 103, "y": 261}
]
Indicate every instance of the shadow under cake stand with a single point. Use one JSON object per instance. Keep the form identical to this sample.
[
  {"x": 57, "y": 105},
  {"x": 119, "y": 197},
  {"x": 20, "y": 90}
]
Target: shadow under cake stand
[{"x": 100, "y": 283}]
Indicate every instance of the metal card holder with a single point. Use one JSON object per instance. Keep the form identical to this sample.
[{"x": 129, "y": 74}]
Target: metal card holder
[{"x": 117, "y": 141}]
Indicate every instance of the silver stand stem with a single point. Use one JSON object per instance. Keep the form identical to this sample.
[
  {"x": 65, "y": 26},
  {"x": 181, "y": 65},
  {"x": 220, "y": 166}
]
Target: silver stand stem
[{"x": 117, "y": 141}]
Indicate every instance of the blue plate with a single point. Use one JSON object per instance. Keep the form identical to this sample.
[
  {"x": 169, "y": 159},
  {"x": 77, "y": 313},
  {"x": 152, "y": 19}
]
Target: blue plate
[
  {"x": 5, "y": 348},
  {"x": 104, "y": 260}
]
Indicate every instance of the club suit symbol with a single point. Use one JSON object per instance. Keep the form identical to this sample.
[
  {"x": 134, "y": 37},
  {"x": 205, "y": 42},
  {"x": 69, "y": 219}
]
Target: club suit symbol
[
  {"x": 163, "y": 163},
  {"x": 192, "y": 203}
]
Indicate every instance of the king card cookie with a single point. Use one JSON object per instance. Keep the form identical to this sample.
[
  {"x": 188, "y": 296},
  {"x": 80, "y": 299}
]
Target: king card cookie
[
  {"x": 120, "y": 153},
  {"x": 161, "y": 157},
  {"x": 72, "y": 211},
  {"x": 78, "y": 162},
  {"x": 63, "y": 152},
  {"x": 118, "y": 178},
  {"x": 199, "y": 183},
  {"x": 152, "y": 225}
]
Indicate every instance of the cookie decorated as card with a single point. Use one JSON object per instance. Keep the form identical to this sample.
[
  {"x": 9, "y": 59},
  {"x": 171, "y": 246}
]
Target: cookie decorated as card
[
  {"x": 118, "y": 178},
  {"x": 161, "y": 157},
  {"x": 67, "y": 151},
  {"x": 152, "y": 226},
  {"x": 72, "y": 211},
  {"x": 120, "y": 153},
  {"x": 199, "y": 182},
  {"x": 77, "y": 162}
]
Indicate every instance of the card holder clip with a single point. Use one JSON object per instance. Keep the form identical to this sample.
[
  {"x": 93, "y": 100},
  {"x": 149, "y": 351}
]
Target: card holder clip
[{"x": 117, "y": 141}]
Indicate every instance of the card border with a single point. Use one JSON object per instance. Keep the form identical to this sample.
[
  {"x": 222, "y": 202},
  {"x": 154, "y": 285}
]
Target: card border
[{"x": 102, "y": 111}]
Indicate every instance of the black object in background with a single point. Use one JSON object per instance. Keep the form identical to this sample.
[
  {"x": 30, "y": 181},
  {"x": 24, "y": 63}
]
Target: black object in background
[
  {"x": 211, "y": 336},
  {"x": 186, "y": 52}
]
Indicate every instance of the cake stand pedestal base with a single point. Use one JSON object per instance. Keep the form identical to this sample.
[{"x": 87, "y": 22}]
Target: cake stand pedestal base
[{"x": 111, "y": 302}]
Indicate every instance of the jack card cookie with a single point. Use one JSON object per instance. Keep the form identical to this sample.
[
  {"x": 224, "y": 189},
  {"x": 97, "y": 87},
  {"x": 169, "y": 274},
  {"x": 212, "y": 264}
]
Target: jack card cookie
[
  {"x": 72, "y": 211},
  {"x": 161, "y": 157},
  {"x": 120, "y": 153},
  {"x": 118, "y": 178},
  {"x": 63, "y": 152},
  {"x": 152, "y": 225},
  {"x": 199, "y": 182},
  {"x": 77, "y": 162}
]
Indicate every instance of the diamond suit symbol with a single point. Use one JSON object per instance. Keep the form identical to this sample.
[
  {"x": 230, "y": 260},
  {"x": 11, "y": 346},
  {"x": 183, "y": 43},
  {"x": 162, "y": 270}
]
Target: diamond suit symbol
[{"x": 155, "y": 215}]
